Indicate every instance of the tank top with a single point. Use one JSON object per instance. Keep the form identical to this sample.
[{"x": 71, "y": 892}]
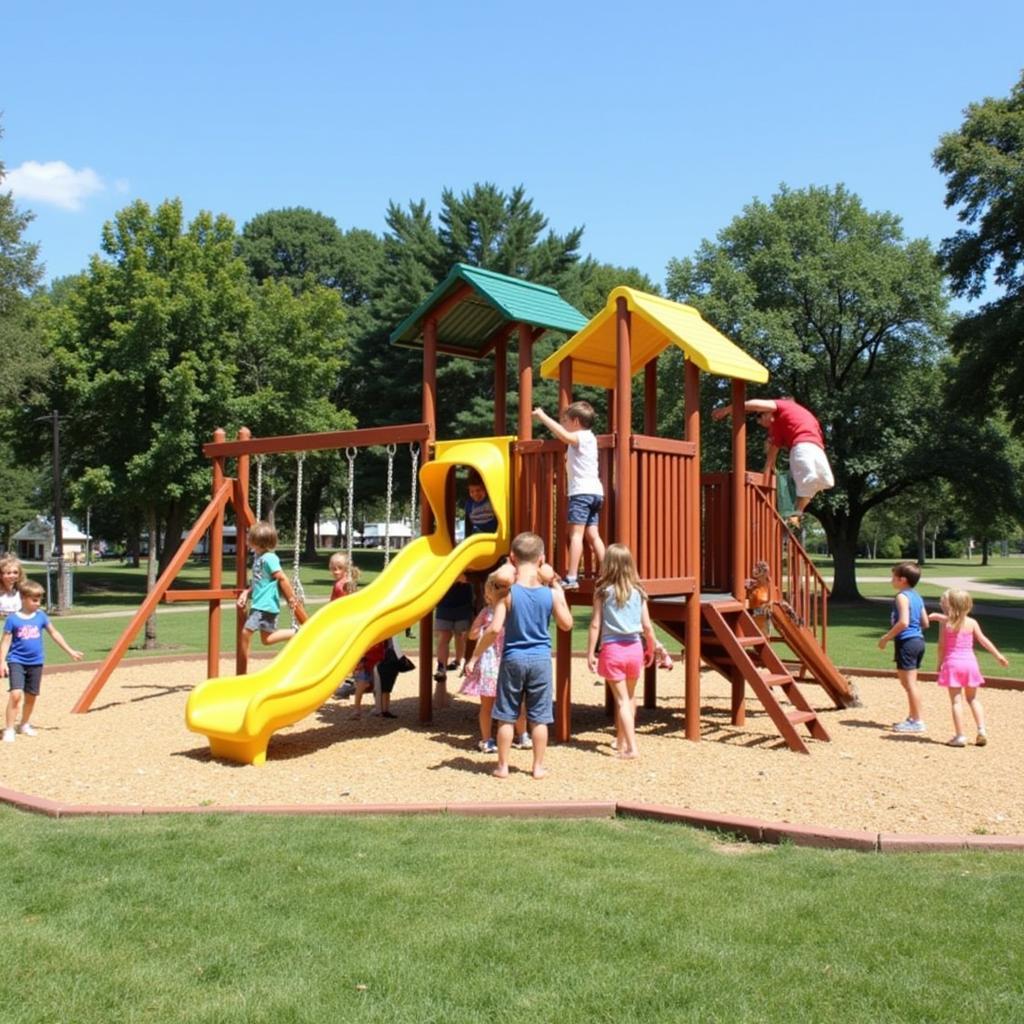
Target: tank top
[
  {"x": 581, "y": 465},
  {"x": 916, "y": 607},
  {"x": 621, "y": 624},
  {"x": 526, "y": 627}
]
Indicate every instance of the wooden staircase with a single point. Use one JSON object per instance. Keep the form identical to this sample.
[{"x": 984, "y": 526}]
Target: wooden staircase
[
  {"x": 732, "y": 643},
  {"x": 805, "y": 647}
]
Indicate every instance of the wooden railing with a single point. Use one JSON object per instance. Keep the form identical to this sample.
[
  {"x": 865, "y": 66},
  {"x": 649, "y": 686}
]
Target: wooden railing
[
  {"x": 797, "y": 577},
  {"x": 716, "y": 535},
  {"x": 660, "y": 469}
]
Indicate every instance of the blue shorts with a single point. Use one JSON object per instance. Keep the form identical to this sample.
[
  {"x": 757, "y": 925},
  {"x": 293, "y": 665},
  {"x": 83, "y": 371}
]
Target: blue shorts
[
  {"x": 909, "y": 653},
  {"x": 24, "y": 677},
  {"x": 585, "y": 509},
  {"x": 529, "y": 680},
  {"x": 261, "y": 622}
]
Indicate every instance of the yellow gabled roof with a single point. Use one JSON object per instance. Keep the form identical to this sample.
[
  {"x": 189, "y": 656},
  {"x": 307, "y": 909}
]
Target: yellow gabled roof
[{"x": 656, "y": 323}]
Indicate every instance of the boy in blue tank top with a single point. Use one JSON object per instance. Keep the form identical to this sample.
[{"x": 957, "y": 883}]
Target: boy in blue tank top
[
  {"x": 909, "y": 621},
  {"x": 525, "y": 672}
]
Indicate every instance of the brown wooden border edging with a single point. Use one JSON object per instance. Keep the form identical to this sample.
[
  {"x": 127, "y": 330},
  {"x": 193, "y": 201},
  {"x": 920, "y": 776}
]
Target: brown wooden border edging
[{"x": 752, "y": 829}]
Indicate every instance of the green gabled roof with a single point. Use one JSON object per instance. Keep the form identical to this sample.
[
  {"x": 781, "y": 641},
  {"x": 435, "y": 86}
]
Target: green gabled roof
[{"x": 469, "y": 327}]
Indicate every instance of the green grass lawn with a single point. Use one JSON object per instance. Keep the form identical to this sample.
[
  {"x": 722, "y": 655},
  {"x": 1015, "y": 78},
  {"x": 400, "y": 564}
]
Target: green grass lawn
[{"x": 268, "y": 919}]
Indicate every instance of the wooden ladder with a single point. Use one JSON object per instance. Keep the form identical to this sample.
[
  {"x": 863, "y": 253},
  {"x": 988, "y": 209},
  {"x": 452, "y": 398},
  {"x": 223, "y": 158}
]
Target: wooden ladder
[{"x": 735, "y": 646}]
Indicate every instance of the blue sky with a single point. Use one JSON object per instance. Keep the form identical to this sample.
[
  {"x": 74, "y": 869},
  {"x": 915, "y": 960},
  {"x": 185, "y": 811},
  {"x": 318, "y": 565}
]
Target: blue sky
[{"x": 651, "y": 123}]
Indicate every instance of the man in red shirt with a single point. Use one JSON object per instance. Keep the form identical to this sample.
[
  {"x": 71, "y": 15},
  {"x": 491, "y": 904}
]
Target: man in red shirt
[{"x": 795, "y": 428}]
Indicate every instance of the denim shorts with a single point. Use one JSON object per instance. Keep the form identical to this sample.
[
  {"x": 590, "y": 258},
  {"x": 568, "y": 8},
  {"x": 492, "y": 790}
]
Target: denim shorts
[
  {"x": 529, "y": 680},
  {"x": 585, "y": 509},
  {"x": 458, "y": 620},
  {"x": 25, "y": 677},
  {"x": 909, "y": 653},
  {"x": 261, "y": 622}
]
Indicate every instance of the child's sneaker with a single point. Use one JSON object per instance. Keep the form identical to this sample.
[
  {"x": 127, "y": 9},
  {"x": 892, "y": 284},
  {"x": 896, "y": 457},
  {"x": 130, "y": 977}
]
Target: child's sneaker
[
  {"x": 909, "y": 725},
  {"x": 440, "y": 674},
  {"x": 957, "y": 741},
  {"x": 570, "y": 583},
  {"x": 487, "y": 747},
  {"x": 453, "y": 666},
  {"x": 981, "y": 741},
  {"x": 8, "y": 736},
  {"x": 523, "y": 742},
  {"x": 27, "y": 729}
]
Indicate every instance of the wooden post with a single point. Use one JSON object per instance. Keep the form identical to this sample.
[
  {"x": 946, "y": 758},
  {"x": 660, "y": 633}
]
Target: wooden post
[
  {"x": 625, "y": 514},
  {"x": 738, "y": 501},
  {"x": 563, "y": 685},
  {"x": 651, "y": 397},
  {"x": 241, "y": 546},
  {"x": 692, "y": 541},
  {"x": 501, "y": 386},
  {"x": 216, "y": 544},
  {"x": 564, "y": 385},
  {"x": 525, "y": 382},
  {"x": 426, "y": 639}
]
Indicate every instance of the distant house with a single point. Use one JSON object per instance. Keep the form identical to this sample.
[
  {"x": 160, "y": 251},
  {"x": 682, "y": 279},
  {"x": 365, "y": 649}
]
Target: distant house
[
  {"x": 373, "y": 534},
  {"x": 34, "y": 541},
  {"x": 331, "y": 533},
  {"x": 228, "y": 544}
]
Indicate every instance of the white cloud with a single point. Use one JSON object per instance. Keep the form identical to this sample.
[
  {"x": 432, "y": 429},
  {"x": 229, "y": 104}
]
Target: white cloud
[{"x": 53, "y": 182}]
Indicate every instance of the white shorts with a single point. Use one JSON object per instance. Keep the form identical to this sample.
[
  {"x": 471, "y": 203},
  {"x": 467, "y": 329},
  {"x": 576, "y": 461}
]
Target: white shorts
[{"x": 809, "y": 468}]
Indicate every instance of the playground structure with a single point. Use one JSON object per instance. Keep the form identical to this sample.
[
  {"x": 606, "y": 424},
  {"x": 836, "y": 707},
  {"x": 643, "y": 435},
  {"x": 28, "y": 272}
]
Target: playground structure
[{"x": 694, "y": 536}]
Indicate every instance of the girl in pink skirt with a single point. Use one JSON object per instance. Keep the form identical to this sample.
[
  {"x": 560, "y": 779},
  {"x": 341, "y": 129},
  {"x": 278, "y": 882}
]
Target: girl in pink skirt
[
  {"x": 958, "y": 666},
  {"x": 623, "y": 624}
]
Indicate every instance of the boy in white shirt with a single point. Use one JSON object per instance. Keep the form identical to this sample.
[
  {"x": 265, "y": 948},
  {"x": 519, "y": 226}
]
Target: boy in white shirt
[{"x": 586, "y": 493}]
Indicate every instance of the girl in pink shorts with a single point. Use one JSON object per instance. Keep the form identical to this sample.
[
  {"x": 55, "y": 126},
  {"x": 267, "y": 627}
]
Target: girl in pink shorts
[{"x": 622, "y": 624}]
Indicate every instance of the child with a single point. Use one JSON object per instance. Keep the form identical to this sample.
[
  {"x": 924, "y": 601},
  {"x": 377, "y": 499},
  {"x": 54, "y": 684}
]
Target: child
[
  {"x": 479, "y": 513},
  {"x": 346, "y": 577},
  {"x": 958, "y": 666},
  {"x": 453, "y": 617},
  {"x": 483, "y": 681},
  {"x": 525, "y": 672},
  {"x": 12, "y": 575},
  {"x": 22, "y": 656},
  {"x": 909, "y": 621},
  {"x": 623, "y": 624},
  {"x": 586, "y": 493},
  {"x": 268, "y": 584}
]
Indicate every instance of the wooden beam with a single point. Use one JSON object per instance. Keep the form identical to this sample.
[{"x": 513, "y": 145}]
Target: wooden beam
[
  {"x": 525, "y": 382},
  {"x": 401, "y": 434},
  {"x": 692, "y": 540},
  {"x": 738, "y": 545},
  {"x": 624, "y": 512}
]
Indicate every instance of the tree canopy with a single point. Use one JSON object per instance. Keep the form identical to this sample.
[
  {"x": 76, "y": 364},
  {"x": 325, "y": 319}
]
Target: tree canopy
[
  {"x": 848, "y": 315},
  {"x": 983, "y": 162}
]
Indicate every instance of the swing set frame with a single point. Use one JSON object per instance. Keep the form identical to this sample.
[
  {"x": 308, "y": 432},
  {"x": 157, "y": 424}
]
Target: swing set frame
[{"x": 233, "y": 492}]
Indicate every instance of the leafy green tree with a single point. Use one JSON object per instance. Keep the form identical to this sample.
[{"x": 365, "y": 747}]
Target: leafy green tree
[
  {"x": 983, "y": 163},
  {"x": 848, "y": 316}
]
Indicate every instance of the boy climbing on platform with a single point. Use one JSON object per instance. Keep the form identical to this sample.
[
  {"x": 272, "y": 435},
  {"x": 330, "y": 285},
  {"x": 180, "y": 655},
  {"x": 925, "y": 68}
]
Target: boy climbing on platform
[{"x": 586, "y": 492}]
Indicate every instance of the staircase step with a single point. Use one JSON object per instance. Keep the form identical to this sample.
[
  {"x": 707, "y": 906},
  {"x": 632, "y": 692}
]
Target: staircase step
[
  {"x": 798, "y": 717},
  {"x": 777, "y": 680}
]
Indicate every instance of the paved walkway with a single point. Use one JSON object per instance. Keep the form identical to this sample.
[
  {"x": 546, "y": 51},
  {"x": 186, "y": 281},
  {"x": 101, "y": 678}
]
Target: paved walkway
[{"x": 1007, "y": 611}]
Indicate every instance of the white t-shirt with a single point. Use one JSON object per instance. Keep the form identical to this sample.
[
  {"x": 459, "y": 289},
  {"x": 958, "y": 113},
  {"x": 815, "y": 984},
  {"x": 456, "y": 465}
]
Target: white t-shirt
[
  {"x": 581, "y": 465},
  {"x": 9, "y": 603}
]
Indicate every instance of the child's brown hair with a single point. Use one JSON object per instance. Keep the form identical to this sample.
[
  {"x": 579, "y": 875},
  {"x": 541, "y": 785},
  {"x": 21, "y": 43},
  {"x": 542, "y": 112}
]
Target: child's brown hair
[
  {"x": 528, "y": 547},
  {"x": 582, "y": 413},
  {"x": 909, "y": 571},
  {"x": 262, "y": 536}
]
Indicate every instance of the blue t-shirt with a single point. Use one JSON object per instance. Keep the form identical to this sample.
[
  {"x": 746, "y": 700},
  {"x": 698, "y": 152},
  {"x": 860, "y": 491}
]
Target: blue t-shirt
[
  {"x": 26, "y": 637},
  {"x": 526, "y": 627},
  {"x": 266, "y": 597},
  {"x": 480, "y": 517},
  {"x": 625, "y": 624},
  {"x": 916, "y": 607}
]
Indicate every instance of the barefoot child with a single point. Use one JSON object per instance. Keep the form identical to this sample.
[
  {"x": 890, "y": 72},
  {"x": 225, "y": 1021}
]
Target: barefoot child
[
  {"x": 623, "y": 624},
  {"x": 958, "y": 665},
  {"x": 525, "y": 673},
  {"x": 909, "y": 621},
  {"x": 22, "y": 656}
]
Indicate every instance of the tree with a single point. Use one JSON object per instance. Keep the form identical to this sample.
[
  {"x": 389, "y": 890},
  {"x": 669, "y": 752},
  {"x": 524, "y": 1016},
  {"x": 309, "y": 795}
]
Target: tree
[
  {"x": 984, "y": 167},
  {"x": 848, "y": 316}
]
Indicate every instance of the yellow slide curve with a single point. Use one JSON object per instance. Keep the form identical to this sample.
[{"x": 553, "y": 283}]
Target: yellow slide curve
[{"x": 239, "y": 713}]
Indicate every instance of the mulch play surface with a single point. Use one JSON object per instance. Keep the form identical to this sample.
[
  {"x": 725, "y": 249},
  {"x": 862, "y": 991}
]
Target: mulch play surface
[{"x": 133, "y": 749}]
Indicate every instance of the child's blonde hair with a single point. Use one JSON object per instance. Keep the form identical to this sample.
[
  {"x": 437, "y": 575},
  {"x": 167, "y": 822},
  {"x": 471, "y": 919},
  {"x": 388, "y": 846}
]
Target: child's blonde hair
[
  {"x": 29, "y": 588},
  {"x": 618, "y": 573},
  {"x": 10, "y": 562},
  {"x": 340, "y": 560},
  {"x": 263, "y": 536},
  {"x": 495, "y": 588},
  {"x": 958, "y": 604}
]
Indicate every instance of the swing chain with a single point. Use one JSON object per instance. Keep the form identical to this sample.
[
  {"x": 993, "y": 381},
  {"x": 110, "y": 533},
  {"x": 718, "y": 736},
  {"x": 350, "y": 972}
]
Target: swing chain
[
  {"x": 259, "y": 488},
  {"x": 414, "y": 457},
  {"x": 300, "y": 595},
  {"x": 390, "y": 449},
  {"x": 350, "y": 454}
]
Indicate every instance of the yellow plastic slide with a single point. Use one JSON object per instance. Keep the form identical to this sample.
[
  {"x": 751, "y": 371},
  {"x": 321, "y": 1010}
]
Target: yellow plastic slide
[{"x": 239, "y": 713}]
